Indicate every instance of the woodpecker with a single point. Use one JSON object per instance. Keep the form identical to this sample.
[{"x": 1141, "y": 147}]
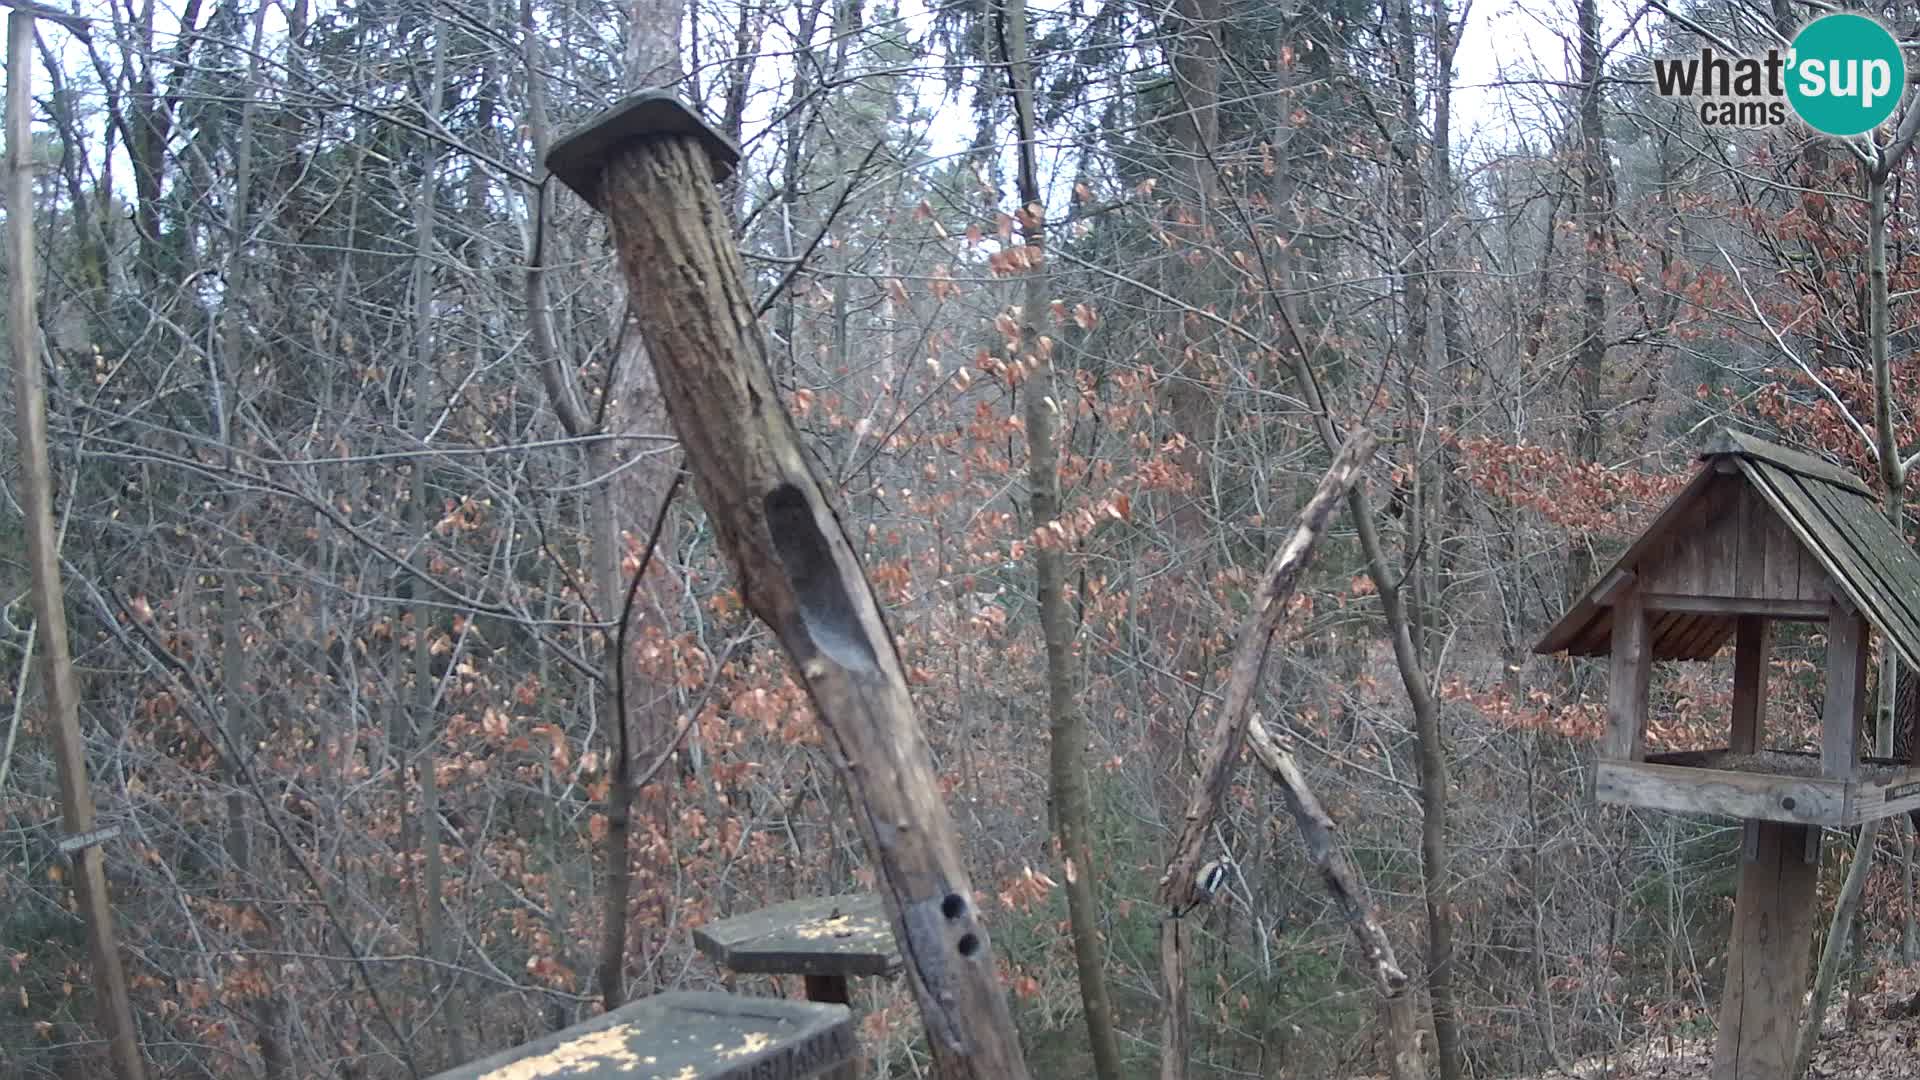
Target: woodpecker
[{"x": 1206, "y": 884}]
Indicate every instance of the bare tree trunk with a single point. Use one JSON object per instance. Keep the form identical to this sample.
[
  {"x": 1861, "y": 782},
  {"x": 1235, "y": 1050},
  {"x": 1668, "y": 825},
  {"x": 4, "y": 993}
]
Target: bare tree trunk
[
  {"x": 423, "y": 728},
  {"x": 43, "y": 556},
  {"x": 1432, "y": 755},
  {"x": 236, "y": 667},
  {"x": 1410, "y": 598},
  {"x": 1072, "y": 814},
  {"x": 1893, "y": 477},
  {"x": 1417, "y": 299},
  {"x": 1839, "y": 932},
  {"x": 1590, "y": 352},
  {"x": 1447, "y": 210},
  {"x": 1908, "y": 952},
  {"x": 1316, "y": 831},
  {"x": 630, "y": 405}
]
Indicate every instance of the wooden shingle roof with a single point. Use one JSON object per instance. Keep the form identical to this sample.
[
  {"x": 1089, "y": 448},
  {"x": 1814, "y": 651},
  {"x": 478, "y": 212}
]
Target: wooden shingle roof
[{"x": 1835, "y": 518}]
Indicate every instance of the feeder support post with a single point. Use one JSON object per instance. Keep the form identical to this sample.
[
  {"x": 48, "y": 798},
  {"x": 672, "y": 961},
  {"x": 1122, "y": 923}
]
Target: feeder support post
[{"x": 650, "y": 165}]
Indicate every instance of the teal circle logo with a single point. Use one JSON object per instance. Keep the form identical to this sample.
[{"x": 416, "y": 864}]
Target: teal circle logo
[{"x": 1847, "y": 74}]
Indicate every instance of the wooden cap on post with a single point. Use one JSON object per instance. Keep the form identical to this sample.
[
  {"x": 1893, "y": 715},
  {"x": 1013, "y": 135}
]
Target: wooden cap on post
[{"x": 579, "y": 158}]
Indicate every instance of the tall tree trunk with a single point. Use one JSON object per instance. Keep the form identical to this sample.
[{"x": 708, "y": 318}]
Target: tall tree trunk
[
  {"x": 1417, "y": 297},
  {"x": 1590, "y": 351},
  {"x": 630, "y": 406},
  {"x": 1447, "y": 256},
  {"x": 423, "y": 729},
  {"x": 1399, "y": 1012},
  {"x": 1432, "y": 755},
  {"x": 1893, "y": 478},
  {"x": 1407, "y": 617},
  {"x": 799, "y": 110},
  {"x": 236, "y": 669},
  {"x": 43, "y": 557},
  {"x": 799, "y": 575},
  {"x": 1839, "y": 933},
  {"x": 1072, "y": 815},
  {"x": 1196, "y": 74}
]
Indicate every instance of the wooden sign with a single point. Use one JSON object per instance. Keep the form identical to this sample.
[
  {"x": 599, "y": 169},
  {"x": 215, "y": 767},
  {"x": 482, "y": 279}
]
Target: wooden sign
[{"x": 90, "y": 838}]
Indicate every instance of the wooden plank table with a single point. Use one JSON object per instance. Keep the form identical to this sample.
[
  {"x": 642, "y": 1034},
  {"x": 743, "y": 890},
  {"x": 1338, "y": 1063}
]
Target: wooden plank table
[
  {"x": 827, "y": 940},
  {"x": 686, "y": 1035}
]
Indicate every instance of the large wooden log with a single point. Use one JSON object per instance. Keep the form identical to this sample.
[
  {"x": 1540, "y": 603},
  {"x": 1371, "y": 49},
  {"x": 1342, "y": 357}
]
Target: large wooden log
[
  {"x": 649, "y": 165},
  {"x": 1336, "y": 873}
]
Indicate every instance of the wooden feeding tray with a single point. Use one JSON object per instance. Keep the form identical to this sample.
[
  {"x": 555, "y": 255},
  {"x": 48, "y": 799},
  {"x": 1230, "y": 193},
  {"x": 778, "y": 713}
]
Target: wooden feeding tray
[
  {"x": 1767, "y": 785},
  {"x": 683, "y": 1036},
  {"x": 826, "y": 940}
]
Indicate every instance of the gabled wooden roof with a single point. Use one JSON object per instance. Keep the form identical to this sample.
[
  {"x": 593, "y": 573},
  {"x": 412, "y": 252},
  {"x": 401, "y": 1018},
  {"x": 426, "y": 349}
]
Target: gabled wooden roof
[{"x": 1835, "y": 518}]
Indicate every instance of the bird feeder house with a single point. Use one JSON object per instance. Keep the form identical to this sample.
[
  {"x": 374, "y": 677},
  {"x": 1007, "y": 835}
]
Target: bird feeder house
[{"x": 1761, "y": 534}]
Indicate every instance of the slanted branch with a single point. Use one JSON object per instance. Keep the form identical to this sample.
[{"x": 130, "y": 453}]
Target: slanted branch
[
  {"x": 1316, "y": 831},
  {"x": 1230, "y": 727}
]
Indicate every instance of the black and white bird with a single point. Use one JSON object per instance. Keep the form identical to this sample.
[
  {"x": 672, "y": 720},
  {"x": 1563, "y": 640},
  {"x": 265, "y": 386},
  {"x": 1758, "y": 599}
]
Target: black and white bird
[{"x": 1206, "y": 885}]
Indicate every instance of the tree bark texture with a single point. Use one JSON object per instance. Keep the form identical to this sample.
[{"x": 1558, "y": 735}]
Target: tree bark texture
[
  {"x": 1316, "y": 832},
  {"x": 799, "y": 575}
]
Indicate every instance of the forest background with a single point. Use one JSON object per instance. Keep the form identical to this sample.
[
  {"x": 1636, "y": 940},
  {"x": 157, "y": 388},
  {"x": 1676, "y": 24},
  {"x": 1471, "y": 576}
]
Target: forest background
[{"x": 351, "y": 500}]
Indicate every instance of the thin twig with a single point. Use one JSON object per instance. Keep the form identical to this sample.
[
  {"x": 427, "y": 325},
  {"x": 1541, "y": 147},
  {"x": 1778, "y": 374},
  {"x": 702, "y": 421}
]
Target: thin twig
[
  {"x": 626, "y": 619},
  {"x": 799, "y": 264},
  {"x": 1787, "y": 351}
]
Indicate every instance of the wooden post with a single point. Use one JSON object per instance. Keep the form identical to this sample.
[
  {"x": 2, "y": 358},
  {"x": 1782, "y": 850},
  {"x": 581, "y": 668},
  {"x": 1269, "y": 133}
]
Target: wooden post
[
  {"x": 1752, "y": 644},
  {"x": 1768, "y": 955},
  {"x": 650, "y": 165},
  {"x": 43, "y": 557},
  {"x": 1846, "y": 691},
  {"x": 833, "y": 990},
  {"x": 1629, "y": 670}
]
